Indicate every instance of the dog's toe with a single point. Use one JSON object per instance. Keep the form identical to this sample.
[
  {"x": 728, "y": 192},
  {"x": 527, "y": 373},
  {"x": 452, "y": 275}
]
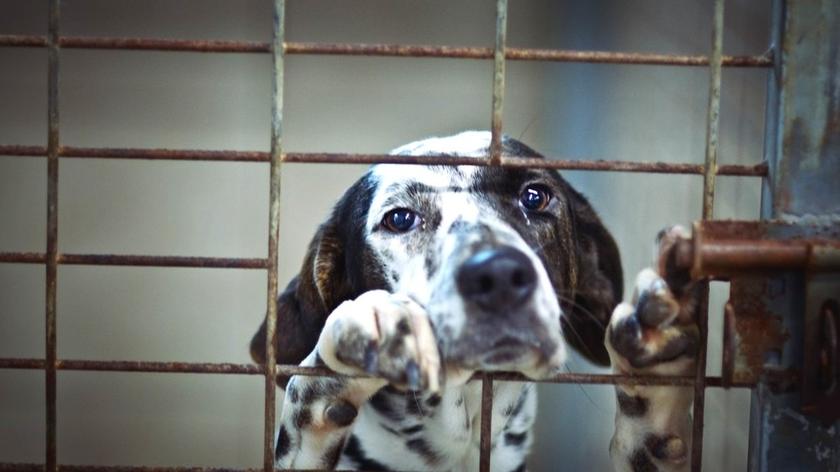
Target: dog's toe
[{"x": 385, "y": 335}]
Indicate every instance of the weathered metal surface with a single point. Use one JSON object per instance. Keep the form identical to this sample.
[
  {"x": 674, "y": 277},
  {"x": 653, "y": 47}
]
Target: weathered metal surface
[
  {"x": 802, "y": 146},
  {"x": 709, "y": 179},
  {"x": 278, "y": 76},
  {"x": 757, "y": 170},
  {"x": 137, "y": 260},
  {"x": 22, "y": 467},
  {"x": 805, "y": 181},
  {"x": 497, "y": 104},
  {"x": 383, "y": 50},
  {"x": 287, "y": 370},
  {"x": 50, "y": 324},
  {"x": 758, "y": 329},
  {"x": 820, "y": 369},
  {"x": 726, "y": 248}
]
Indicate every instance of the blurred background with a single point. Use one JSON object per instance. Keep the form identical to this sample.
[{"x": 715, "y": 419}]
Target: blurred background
[{"x": 339, "y": 104}]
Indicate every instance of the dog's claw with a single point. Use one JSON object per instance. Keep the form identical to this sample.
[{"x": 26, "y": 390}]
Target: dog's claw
[
  {"x": 371, "y": 358},
  {"x": 412, "y": 374}
]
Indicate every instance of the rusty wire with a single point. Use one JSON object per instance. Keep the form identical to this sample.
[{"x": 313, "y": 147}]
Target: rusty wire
[
  {"x": 755, "y": 170},
  {"x": 383, "y": 50}
]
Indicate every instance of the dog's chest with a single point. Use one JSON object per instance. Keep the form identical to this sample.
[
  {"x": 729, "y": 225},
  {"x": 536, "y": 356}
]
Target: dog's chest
[{"x": 407, "y": 431}]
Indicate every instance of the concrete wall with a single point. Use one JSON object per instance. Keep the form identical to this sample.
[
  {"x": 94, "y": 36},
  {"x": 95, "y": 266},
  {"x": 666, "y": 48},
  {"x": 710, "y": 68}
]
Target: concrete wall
[{"x": 177, "y": 100}]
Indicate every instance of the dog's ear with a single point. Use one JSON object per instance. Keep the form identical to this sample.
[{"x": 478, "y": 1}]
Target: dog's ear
[
  {"x": 598, "y": 281},
  {"x": 324, "y": 280},
  {"x": 303, "y": 306}
]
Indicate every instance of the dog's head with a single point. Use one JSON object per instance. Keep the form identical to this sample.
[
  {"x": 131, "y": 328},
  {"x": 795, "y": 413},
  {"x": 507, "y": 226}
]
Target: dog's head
[{"x": 504, "y": 260}]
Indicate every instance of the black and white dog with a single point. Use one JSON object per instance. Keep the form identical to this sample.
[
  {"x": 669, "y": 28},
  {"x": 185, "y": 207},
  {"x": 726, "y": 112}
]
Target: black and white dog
[{"x": 425, "y": 274}]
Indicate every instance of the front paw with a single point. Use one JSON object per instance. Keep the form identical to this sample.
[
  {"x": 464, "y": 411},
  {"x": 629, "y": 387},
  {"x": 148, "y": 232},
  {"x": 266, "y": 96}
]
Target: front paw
[
  {"x": 657, "y": 332},
  {"x": 385, "y": 335}
]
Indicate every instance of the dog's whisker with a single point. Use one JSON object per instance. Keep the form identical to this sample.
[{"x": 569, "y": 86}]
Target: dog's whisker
[{"x": 582, "y": 309}]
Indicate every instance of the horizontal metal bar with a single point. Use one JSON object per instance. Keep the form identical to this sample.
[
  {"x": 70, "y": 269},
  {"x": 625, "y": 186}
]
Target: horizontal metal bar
[
  {"x": 287, "y": 370},
  {"x": 384, "y": 50},
  {"x": 756, "y": 170},
  {"x": 165, "y": 154},
  {"x": 23, "y": 467},
  {"x": 138, "y": 260}
]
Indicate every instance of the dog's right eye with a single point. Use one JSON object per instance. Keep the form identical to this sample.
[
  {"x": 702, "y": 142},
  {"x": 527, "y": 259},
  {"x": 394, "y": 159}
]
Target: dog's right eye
[{"x": 400, "y": 220}]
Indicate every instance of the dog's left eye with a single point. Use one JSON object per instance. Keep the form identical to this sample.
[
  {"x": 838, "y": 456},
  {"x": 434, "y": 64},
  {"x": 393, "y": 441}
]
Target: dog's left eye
[
  {"x": 400, "y": 220},
  {"x": 535, "y": 198}
]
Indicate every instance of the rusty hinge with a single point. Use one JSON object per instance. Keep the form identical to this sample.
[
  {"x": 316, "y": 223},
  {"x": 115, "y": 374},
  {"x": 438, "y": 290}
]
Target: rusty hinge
[{"x": 782, "y": 320}]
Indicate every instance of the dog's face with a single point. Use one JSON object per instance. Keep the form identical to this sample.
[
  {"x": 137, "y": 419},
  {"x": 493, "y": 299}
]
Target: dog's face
[
  {"x": 481, "y": 249},
  {"x": 507, "y": 262}
]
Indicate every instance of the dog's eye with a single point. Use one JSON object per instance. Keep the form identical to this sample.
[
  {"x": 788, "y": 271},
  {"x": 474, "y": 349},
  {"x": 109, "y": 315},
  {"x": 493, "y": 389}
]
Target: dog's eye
[
  {"x": 400, "y": 220},
  {"x": 535, "y": 198}
]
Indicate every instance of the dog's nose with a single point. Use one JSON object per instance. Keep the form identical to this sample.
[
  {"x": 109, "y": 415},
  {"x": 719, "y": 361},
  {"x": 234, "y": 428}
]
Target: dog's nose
[{"x": 497, "y": 279}]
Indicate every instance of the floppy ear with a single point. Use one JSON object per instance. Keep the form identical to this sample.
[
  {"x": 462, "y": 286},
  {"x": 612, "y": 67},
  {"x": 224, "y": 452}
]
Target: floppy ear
[
  {"x": 303, "y": 307},
  {"x": 325, "y": 280},
  {"x": 598, "y": 287}
]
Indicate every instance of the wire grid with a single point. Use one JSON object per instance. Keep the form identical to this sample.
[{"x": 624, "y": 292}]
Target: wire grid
[{"x": 500, "y": 53}]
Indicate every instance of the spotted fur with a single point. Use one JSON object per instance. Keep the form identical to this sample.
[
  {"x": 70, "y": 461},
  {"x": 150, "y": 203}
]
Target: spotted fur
[{"x": 369, "y": 300}]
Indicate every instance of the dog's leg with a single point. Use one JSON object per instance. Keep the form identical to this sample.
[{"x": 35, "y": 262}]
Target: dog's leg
[
  {"x": 656, "y": 334},
  {"x": 377, "y": 334}
]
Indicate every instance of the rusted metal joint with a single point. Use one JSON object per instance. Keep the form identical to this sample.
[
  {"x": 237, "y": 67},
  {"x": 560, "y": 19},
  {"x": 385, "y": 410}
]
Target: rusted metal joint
[
  {"x": 723, "y": 249},
  {"x": 777, "y": 271}
]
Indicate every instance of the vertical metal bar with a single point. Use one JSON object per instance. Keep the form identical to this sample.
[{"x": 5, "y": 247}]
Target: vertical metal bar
[
  {"x": 495, "y": 159},
  {"x": 498, "y": 82},
  {"x": 486, "y": 423},
  {"x": 709, "y": 174},
  {"x": 273, "y": 231},
  {"x": 52, "y": 233}
]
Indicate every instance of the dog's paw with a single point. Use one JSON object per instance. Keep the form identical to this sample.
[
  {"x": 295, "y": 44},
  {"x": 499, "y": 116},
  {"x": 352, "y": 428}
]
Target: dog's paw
[
  {"x": 385, "y": 335},
  {"x": 657, "y": 332}
]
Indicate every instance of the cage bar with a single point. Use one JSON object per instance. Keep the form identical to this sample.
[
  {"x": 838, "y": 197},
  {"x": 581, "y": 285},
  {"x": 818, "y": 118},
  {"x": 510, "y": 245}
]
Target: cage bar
[
  {"x": 286, "y": 370},
  {"x": 52, "y": 234},
  {"x": 274, "y": 230},
  {"x": 583, "y": 164},
  {"x": 384, "y": 50},
  {"x": 712, "y": 122}
]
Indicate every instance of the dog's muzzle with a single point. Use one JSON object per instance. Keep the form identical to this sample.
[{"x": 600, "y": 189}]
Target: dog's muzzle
[{"x": 497, "y": 280}]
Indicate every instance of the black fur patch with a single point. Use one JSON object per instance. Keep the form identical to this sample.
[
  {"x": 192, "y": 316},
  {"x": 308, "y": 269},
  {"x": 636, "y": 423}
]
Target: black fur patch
[
  {"x": 332, "y": 454},
  {"x": 516, "y": 439},
  {"x": 630, "y": 405},
  {"x": 283, "y": 443},
  {"x": 381, "y": 402},
  {"x": 657, "y": 446},
  {"x": 433, "y": 400},
  {"x": 422, "y": 448},
  {"x": 353, "y": 450},
  {"x": 292, "y": 393},
  {"x": 413, "y": 429},
  {"x": 640, "y": 462},
  {"x": 302, "y": 418},
  {"x": 413, "y": 405}
]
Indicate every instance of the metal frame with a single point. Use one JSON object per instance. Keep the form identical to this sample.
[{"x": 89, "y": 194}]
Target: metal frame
[{"x": 500, "y": 53}]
